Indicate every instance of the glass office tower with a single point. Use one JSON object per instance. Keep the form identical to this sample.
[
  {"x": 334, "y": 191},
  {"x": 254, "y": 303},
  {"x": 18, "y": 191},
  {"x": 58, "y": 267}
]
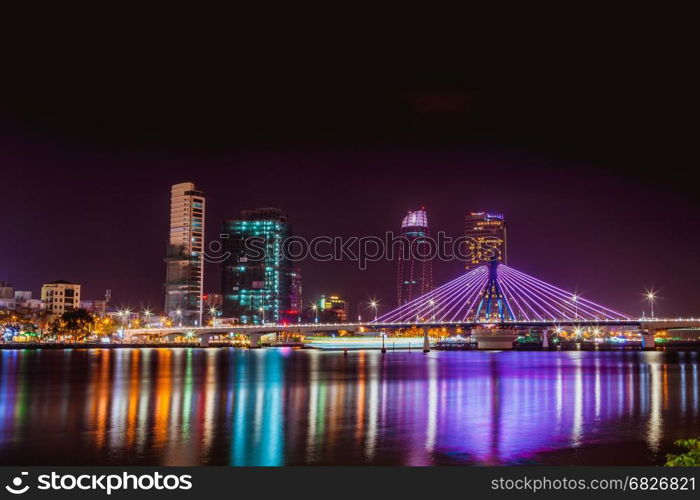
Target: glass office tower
[{"x": 258, "y": 282}]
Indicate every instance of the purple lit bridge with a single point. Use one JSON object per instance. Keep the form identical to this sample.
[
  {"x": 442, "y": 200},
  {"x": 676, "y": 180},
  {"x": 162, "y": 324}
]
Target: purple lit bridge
[
  {"x": 493, "y": 302},
  {"x": 500, "y": 294}
]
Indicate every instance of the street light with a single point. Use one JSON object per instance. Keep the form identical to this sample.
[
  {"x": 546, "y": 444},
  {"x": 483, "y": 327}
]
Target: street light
[
  {"x": 314, "y": 308},
  {"x": 124, "y": 314},
  {"x": 432, "y": 305},
  {"x": 178, "y": 313},
  {"x": 212, "y": 314},
  {"x": 574, "y": 299},
  {"x": 558, "y": 331},
  {"x": 262, "y": 314},
  {"x": 147, "y": 313},
  {"x": 651, "y": 297},
  {"x": 374, "y": 305}
]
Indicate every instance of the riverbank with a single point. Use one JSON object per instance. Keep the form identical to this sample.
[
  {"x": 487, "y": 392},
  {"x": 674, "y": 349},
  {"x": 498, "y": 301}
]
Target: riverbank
[{"x": 355, "y": 346}]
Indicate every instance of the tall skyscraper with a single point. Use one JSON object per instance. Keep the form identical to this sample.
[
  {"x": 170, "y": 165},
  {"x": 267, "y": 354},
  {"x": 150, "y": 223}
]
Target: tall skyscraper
[
  {"x": 185, "y": 259},
  {"x": 258, "y": 282},
  {"x": 487, "y": 238},
  {"x": 415, "y": 274},
  {"x": 297, "y": 297}
]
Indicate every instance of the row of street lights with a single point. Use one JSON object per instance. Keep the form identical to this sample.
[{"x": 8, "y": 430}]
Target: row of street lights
[
  {"x": 649, "y": 295},
  {"x": 125, "y": 313}
]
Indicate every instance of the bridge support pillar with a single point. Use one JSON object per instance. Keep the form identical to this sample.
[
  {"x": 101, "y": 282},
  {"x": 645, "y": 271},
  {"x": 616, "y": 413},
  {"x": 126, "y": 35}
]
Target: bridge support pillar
[
  {"x": 255, "y": 340},
  {"x": 170, "y": 337},
  {"x": 493, "y": 339},
  {"x": 545, "y": 338},
  {"x": 426, "y": 339},
  {"x": 648, "y": 339},
  {"x": 205, "y": 339}
]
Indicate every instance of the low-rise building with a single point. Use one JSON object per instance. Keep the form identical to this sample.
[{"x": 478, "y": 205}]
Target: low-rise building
[
  {"x": 9, "y": 304},
  {"x": 6, "y": 291},
  {"x": 23, "y": 296},
  {"x": 60, "y": 296},
  {"x": 97, "y": 307}
]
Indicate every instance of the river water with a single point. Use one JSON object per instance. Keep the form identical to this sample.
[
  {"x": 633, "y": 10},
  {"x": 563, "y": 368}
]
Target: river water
[{"x": 225, "y": 406}]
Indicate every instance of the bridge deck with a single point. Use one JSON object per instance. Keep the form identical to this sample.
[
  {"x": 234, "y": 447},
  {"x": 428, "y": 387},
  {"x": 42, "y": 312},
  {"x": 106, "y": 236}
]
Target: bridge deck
[{"x": 641, "y": 324}]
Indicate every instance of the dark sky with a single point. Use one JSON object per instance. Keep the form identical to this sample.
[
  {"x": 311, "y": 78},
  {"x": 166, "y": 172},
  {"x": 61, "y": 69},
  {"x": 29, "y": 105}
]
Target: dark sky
[{"x": 588, "y": 152}]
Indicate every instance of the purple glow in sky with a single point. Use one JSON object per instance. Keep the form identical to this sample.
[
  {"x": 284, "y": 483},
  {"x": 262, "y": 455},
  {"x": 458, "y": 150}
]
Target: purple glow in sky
[{"x": 588, "y": 163}]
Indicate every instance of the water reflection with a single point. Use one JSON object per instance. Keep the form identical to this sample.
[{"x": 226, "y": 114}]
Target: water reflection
[{"x": 280, "y": 406}]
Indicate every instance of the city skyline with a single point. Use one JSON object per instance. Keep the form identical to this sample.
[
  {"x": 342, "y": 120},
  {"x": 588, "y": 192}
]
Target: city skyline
[
  {"x": 358, "y": 298},
  {"x": 583, "y": 195},
  {"x": 203, "y": 265}
]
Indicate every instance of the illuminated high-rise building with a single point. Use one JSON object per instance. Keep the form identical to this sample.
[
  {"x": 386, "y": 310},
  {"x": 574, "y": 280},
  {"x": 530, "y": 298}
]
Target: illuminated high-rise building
[
  {"x": 259, "y": 284},
  {"x": 486, "y": 233},
  {"x": 297, "y": 297},
  {"x": 184, "y": 262},
  {"x": 415, "y": 274}
]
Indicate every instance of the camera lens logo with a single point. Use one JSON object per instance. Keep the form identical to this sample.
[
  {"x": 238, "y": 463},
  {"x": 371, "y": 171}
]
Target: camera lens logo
[{"x": 17, "y": 488}]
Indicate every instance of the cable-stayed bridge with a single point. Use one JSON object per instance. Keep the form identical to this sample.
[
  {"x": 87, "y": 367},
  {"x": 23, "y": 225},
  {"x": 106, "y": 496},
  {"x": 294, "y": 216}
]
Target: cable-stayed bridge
[
  {"x": 500, "y": 294},
  {"x": 492, "y": 301}
]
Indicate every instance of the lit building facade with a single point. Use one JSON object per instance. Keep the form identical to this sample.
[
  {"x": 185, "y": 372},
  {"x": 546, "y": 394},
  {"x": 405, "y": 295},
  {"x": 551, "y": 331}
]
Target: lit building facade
[
  {"x": 22, "y": 301},
  {"x": 415, "y": 274},
  {"x": 486, "y": 233},
  {"x": 213, "y": 300},
  {"x": 338, "y": 307},
  {"x": 96, "y": 307},
  {"x": 60, "y": 296},
  {"x": 7, "y": 291},
  {"x": 23, "y": 295},
  {"x": 297, "y": 297},
  {"x": 257, "y": 279},
  {"x": 184, "y": 262}
]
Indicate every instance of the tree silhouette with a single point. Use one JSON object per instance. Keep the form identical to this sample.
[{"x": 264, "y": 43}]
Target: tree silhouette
[{"x": 75, "y": 322}]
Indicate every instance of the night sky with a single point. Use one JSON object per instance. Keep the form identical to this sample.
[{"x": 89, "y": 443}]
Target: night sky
[{"x": 587, "y": 152}]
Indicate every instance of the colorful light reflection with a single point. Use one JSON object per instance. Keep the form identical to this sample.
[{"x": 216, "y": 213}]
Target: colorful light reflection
[{"x": 279, "y": 407}]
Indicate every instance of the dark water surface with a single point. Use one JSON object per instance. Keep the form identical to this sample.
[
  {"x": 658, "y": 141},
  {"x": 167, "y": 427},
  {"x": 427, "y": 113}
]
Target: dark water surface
[{"x": 224, "y": 406}]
